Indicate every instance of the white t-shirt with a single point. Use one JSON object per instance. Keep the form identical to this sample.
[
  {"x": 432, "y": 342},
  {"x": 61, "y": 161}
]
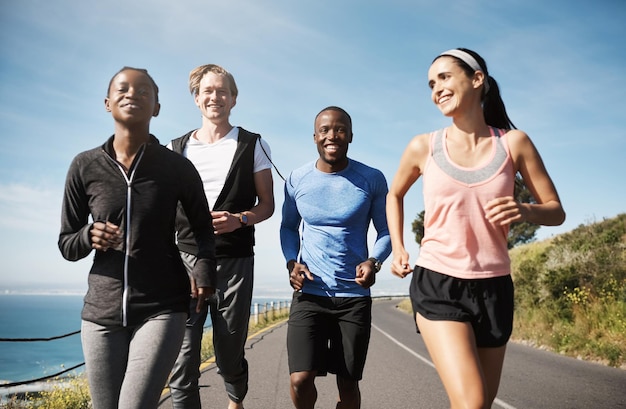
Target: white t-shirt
[{"x": 213, "y": 160}]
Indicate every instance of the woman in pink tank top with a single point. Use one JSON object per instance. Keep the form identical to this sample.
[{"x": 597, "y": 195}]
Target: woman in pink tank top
[{"x": 461, "y": 289}]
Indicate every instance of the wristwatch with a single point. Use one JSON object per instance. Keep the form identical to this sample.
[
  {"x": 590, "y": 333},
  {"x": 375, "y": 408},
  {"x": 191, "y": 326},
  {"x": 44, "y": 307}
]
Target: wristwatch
[
  {"x": 376, "y": 263},
  {"x": 243, "y": 219}
]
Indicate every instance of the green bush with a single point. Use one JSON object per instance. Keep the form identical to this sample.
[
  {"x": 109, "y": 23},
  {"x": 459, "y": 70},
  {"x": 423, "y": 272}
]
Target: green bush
[
  {"x": 67, "y": 393},
  {"x": 570, "y": 292},
  {"x": 72, "y": 394}
]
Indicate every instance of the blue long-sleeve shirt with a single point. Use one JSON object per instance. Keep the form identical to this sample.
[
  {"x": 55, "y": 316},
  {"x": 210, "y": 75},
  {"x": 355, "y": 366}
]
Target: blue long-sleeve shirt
[{"x": 335, "y": 210}]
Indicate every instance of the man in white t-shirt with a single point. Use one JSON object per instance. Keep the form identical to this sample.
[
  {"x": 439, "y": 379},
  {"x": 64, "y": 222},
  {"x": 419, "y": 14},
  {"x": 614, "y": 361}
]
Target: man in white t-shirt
[{"x": 235, "y": 167}]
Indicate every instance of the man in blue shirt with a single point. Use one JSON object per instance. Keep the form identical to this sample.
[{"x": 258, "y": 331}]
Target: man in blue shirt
[{"x": 330, "y": 268}]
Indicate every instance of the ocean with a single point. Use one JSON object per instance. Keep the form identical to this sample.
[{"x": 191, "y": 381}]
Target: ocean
[
  {"x": 38, "y": 316},
  {"x": 44, "y": 316}
]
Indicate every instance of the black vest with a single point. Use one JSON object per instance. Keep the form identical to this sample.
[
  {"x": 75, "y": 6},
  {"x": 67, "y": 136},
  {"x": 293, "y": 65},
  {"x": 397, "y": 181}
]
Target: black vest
[{"x": 238, "y": 195}]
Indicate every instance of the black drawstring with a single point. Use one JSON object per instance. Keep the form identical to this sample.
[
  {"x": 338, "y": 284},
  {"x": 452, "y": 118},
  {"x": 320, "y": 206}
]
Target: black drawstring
[{"x": 270, "y": 159}]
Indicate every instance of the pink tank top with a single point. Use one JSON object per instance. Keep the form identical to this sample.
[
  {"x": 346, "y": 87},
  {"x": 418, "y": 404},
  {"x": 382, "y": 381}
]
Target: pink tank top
[{"x": 458, "y": 240}]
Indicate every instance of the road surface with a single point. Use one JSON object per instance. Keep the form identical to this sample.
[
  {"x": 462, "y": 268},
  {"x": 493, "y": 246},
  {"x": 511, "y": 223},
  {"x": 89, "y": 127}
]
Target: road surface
[{"x": 399, "y": 374}]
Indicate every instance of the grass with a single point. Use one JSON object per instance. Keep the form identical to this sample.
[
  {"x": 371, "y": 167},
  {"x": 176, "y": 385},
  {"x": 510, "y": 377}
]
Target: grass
[
  {"x": 73, "y": 392},
  {"x": 67, "y": 393}
]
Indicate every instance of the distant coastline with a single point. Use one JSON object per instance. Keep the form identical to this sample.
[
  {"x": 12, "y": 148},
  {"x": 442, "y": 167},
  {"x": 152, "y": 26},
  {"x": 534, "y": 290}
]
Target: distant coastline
[
  {"x": 60, "y": 294},
  {"x": 72, "y": 292}
]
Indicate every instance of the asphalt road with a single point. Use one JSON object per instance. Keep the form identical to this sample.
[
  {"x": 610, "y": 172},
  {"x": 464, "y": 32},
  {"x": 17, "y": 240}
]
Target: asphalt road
[{"x": 399, "y": 374}]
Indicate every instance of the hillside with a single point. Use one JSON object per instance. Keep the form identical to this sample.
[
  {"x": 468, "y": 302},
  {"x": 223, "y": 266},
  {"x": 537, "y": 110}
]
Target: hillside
[{"x": 570, "y": 292}]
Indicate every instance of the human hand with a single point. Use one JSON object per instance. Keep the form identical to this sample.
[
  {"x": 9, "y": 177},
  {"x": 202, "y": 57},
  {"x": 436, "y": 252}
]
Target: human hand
[
  {"x": 504, "y": 210},
  {"x": 204, "y": 293},
  {"x": 106, "y": 235},
  {"x": 224, "y": 222},
  {"x": 297, "y": 274},
  {"x": 365, "y": 274},
  {"x": 400, "y": 265}
]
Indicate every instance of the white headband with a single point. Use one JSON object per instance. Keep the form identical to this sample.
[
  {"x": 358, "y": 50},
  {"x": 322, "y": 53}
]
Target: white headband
[{"x": 469, "y": 60}]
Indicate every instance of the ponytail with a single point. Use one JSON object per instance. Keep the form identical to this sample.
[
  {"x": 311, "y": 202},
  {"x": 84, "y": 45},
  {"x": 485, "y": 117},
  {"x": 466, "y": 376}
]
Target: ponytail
[{"x": 494, "y": 110}]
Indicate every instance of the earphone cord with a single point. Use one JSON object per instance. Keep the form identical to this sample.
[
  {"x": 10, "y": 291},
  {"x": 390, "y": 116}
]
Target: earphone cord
[{"x": 270, "y": 159}]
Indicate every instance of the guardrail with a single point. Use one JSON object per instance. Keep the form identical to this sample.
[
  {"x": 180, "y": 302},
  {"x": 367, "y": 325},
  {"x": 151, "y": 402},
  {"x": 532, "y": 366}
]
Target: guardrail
[{"x": 268, "y": 311}]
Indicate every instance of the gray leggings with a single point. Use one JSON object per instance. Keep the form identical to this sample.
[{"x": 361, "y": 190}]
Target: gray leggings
[{"x": 127, "y": 367}]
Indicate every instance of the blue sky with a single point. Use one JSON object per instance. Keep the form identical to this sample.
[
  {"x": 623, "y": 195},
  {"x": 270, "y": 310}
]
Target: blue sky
[{"x": 559, "y": 64}]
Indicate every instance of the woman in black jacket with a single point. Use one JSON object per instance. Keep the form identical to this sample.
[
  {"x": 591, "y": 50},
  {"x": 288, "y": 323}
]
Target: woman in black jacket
[{"x": 120, "y": 199}]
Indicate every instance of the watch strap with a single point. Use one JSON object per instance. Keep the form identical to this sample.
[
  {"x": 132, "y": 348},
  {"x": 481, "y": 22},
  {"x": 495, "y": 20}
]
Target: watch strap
[
  {"x": 243, "y": 219},
  {"x": 376, "y": 263}
]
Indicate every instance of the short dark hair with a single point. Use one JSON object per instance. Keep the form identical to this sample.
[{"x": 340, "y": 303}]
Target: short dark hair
[
  {"x": 335, "y": 108},
  {"x": 142, "y": 70}
]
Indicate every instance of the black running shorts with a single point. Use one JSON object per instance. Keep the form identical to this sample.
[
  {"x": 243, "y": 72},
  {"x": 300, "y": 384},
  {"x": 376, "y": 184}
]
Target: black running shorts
[
  {"x": 487, "y": 304},
  {"x": 329, "y": 334}
]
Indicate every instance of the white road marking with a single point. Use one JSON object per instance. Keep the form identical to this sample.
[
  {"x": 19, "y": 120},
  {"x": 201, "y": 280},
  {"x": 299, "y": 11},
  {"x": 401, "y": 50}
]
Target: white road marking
[{"x": 429, "y": 363}]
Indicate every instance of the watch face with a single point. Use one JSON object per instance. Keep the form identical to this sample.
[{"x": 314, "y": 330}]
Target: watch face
[{"x": 243, "y": 219}]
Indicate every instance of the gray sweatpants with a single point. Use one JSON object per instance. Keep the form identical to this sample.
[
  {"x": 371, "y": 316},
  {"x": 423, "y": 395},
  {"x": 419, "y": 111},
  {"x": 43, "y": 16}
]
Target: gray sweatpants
[
  {"x": 127, "y": 367},
  {"x": 230, "y": 316}
]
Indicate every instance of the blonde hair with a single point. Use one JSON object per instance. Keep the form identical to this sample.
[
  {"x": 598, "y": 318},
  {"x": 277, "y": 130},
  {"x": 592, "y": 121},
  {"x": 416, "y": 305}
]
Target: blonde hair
[{"x": 196, "y": 75}]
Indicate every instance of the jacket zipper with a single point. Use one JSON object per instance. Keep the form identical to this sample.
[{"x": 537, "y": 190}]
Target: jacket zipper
[{"x": 129, "y": 184}]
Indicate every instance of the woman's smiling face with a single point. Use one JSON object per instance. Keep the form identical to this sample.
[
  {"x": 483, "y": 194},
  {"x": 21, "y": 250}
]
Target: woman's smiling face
[{"x": 132, "y": 97}]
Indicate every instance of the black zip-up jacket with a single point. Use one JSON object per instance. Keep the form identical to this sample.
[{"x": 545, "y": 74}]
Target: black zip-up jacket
[
  {"x": 146, "y": 277},
  {"x": 238, "y": 195}
]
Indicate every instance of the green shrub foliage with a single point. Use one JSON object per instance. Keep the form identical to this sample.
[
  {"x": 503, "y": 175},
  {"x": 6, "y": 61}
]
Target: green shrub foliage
[{"x": 574, "y": 287}]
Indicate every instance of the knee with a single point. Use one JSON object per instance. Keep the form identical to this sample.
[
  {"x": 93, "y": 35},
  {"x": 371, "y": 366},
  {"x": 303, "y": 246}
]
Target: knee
[
  {"x": 302, "y": 382},
  {"x": 233, "y": 370}
]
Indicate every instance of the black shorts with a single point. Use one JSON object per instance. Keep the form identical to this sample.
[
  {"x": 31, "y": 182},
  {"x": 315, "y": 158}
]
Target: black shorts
[
  {"x": 487, "y": 304},
  {"x": 329, "y": 334}
]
